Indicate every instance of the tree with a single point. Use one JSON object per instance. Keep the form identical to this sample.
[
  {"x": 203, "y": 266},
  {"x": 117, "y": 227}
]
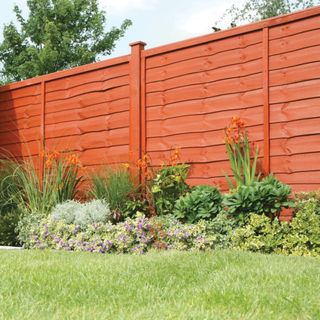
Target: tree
[
  {"x": 255, "y": 10},
  {"x": 56, "y": 35}
]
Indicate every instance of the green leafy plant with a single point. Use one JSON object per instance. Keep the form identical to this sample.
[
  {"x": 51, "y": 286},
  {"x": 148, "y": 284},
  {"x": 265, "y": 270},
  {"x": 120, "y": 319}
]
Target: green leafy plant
[
  {"x": 222, "y": 227},
  {"x": 303, "y": 198},
  {"x": 265, "y": 197},
  {"x": 167, "y": 186},
  {"x": 136, "y": 206},
  {"x": 202, "y": 202},
  {"x": 304, "y": 236},
  {"x": 260, "y": 234},
  {"x": 25, "y": 226},
  {"x": 8, "y": 225},
  {"x": 243, "y": 163},
  {"x": 7, "y": 186},
  {"x": 300, "y": 237},
  {"x": 9, "y": 213},
  {"x": 115, "y": 186}
]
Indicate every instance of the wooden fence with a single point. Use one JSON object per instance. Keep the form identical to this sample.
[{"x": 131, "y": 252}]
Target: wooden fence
[{"x": 183, "y": 94}]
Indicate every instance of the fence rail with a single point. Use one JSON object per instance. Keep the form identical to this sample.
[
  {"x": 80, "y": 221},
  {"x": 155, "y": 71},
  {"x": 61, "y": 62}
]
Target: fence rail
[{"x": 183, "y": 94}]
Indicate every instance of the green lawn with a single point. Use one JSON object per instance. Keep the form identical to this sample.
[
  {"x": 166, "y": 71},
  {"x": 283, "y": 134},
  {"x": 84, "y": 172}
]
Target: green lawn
[{"x": 167, "y": 285}]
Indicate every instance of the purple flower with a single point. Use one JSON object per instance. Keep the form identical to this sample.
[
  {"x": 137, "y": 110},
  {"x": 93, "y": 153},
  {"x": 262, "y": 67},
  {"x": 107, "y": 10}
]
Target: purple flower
[{"x": 128, "y": 226}]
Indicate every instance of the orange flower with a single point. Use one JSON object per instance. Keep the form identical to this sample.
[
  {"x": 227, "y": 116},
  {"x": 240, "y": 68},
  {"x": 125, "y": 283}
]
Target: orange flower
[
  {"x": 48, "y": 163},
  {"x": 55, "y": 155},
  {"x": 235, "y": 133},
  {"x": 144, "y": 162},
  {"x": 43, "y": 153},
  {"x": 148, "y": 175},
  {"x": 126, "y": 165},
  {"x": 73, "y": 160},
  {"x": 174, "y": 157}
]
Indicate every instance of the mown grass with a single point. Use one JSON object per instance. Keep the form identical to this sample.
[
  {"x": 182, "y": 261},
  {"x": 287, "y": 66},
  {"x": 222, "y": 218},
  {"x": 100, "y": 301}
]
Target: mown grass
[{"x": 165, "y": 285}]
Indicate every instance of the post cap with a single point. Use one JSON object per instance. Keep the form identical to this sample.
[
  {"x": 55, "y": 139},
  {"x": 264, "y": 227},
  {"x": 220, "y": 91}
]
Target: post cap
[{"x": 141, "y": 43}]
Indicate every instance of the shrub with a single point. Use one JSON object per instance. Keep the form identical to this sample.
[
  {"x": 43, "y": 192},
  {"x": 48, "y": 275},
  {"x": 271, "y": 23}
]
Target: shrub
[
  {"x": 135, "y": 236},
  {"x": 203, "y": 202},
  {"x": 300, "y": 237},
  {"x": 66, "y": 211},
  {"x": 9, "y": 214},
  {"x": 8, "y": 186},
  {"x": 266, "y": 197},
  {"x": 136, "y": 206},
  {"x": 8, "y": 224},
  {"x": 114, "y": 185},
  {"x": 301, "y": 199},
  {"x": 222, "y": 228},
  {"x": 260, "y": 234},
  {"x": 167, "y": 186},
  {"x": 25, "y": 226},
  {"x": 96, "y": 211},
  {"x": 304, "y": 236},
  {"x": 73, "y": 212}
]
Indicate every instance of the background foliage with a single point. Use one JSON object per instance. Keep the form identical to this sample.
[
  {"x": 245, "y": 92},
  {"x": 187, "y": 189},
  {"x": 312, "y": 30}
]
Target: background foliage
[{"x": 56, "y": 35}]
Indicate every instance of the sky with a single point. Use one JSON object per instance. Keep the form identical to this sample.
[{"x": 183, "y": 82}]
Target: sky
[{"x": 155, "y": 22}]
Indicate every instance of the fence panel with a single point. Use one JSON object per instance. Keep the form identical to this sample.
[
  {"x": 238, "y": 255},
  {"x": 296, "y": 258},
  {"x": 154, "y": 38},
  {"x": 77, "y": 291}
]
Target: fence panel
[{"x": 183, "y": 94}]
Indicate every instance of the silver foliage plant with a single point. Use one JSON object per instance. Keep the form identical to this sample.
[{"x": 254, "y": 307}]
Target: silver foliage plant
[{"x": 74, "y": 212}]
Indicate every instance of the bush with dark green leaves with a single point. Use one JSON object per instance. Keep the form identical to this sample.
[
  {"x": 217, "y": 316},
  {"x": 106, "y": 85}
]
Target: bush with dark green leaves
[
  {"x": 202, "y": 202},
  {"x": 9, "y": 211},
  {"x": 8, "y": 224},
  {"x": 265, "y": 197},
  {"x": 167, "y": 186}
]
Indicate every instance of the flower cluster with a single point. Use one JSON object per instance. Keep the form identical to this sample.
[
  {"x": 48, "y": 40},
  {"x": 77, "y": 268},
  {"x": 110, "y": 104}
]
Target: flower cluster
[
  {"x": 235, "y": 133},
  {"x": 51, "y": 158},
  {"x": 135, "y": 236},
  {"x": 174, "y": 157},
  {"x": 145, "y": 164},
  {"x": 242, "y": 153}
]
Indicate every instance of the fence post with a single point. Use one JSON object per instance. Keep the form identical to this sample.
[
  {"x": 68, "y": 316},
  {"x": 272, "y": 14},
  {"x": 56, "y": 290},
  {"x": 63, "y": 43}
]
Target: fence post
[
  {"x": 266, "y": 107},
  {"x": 135, "y": 113},
  {"x": 42, "y": 129}
]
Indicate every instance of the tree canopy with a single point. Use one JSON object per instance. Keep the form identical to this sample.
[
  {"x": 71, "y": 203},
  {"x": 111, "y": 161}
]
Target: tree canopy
[
  {"x": 56, "y": 35},
  {"x": 255, "y": 10}
]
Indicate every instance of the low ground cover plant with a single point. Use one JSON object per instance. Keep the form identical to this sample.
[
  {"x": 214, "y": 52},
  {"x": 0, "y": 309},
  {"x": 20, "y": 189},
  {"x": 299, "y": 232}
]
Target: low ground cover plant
[{"x": 137, "y": 235}]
